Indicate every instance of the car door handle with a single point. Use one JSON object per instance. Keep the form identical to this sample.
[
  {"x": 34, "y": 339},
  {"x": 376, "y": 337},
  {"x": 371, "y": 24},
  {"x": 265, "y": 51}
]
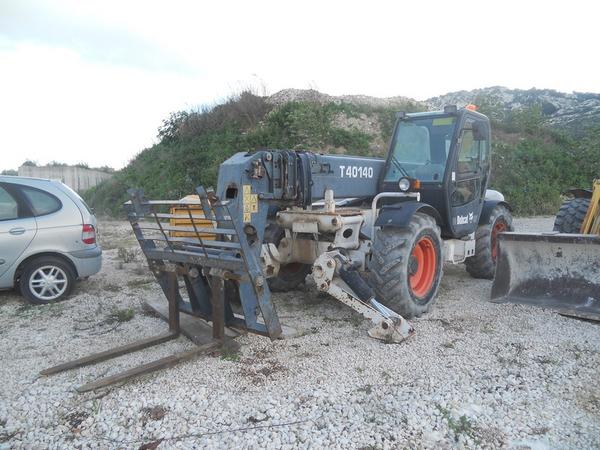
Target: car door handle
[
  {"x": 2, "y": 261},
  {"x": 17, "y": 231}
]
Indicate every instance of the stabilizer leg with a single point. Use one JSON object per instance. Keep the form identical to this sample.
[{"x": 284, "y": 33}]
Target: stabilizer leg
[{"x": 333, "y": 274}]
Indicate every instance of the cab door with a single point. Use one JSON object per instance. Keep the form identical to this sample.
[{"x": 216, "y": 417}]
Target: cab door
[
  {"x": 469, "y": 175},
  {"x": 17, "y": 227}
]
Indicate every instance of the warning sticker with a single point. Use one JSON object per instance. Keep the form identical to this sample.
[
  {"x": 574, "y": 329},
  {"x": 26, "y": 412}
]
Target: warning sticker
[
  {"x": 443, "y": 121},
  {"x": 250, "y": 202}
]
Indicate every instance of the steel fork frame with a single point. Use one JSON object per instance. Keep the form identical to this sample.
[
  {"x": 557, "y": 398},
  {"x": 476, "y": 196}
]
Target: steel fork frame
[{"x": 162, "y": 363}]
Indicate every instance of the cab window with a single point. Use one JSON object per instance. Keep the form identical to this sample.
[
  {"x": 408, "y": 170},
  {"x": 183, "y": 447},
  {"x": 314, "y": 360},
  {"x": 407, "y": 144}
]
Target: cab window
[
  {"x": 473, "y": 154},
  {"x": 420, "y": 148},
  {"x": 41, "y": 202},
  {"x": 472, "y": 165},
  {"x": 468, "y": 154},
  {"x": 9, "y": 208},
  {"x": 464, "y": 191}
]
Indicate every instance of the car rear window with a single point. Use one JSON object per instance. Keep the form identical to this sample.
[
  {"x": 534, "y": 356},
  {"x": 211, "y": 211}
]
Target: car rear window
[
  {"x": 42, "y": 202},
  {"x": 78, "y": 197},
  {"x": 9, "y": 209}
]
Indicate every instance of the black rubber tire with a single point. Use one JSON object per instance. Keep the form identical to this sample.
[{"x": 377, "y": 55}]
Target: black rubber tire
[
  {"x": 290, "y": 276},
  {"x": 571, "y": 214},
  {"x": 483, "y": 264},
  {"x": 34, "y": 265},
  {"x": 389, "y": 265}
]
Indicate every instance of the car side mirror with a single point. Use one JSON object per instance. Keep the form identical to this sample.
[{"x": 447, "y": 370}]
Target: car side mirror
[{"x": 480, "y": 130}]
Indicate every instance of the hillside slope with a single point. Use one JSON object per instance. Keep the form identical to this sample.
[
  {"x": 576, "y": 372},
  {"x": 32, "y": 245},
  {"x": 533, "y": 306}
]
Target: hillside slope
[
  {"x": 573, "y": 113},
  {"x": 536, "y": 154}
]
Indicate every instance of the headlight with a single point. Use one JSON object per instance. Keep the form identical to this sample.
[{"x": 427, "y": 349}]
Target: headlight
[{"x": 404, "y": 184}]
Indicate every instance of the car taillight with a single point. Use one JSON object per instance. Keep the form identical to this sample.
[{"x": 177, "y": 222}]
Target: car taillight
[{"x": 88, "y": 234}]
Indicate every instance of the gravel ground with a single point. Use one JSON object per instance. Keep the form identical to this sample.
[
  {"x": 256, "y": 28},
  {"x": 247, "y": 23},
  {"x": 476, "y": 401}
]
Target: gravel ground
[{"x": 475, "y": 375}]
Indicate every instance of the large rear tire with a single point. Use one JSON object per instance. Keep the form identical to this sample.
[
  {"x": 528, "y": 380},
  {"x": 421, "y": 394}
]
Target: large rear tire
[
  {"x": 406, "y": 266},
  {"x": 291, "y": 275},
  {"x": 483, "y": 263},
  {"x": 571, "y": 214}
]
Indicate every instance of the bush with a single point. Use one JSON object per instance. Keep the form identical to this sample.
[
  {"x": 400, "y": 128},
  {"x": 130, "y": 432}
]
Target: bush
[
  {"x": 532, "y": 165},
  {"x": 533, "y": 172}
]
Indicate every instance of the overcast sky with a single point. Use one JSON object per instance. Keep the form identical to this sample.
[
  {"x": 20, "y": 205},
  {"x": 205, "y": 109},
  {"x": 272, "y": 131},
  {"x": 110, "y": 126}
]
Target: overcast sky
[{"x": 91, "y": 81}]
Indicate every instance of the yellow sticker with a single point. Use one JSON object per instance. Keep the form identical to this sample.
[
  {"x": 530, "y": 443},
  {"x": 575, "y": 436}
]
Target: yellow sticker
[
  {"x": 250, "y": 202},
  {"x": 443, "y": 121}
]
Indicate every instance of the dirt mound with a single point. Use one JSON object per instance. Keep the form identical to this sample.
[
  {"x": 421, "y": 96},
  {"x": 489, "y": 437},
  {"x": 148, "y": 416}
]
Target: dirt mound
[{"x": 313, "y": 96}]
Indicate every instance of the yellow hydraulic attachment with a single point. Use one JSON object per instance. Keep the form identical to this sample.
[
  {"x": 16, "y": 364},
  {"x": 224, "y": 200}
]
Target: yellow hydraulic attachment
[{"x": 591, "y": 222}]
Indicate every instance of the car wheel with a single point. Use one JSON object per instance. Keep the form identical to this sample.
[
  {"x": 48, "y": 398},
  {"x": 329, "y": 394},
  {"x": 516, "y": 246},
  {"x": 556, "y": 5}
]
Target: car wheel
[{"x": 46, "y": 280}]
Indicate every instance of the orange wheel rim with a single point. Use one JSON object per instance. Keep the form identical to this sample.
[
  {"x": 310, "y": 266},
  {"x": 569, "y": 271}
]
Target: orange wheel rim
[
  {"x": 423, "y": 267},
  {"x": 499, "y": 227}
]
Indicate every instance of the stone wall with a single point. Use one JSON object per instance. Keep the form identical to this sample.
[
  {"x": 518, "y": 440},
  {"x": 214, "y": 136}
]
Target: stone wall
[{"x": 77, "y": 178}]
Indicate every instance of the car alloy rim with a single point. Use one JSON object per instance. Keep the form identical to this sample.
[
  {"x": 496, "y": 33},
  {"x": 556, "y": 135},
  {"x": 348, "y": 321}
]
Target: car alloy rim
[{"x": 48, "y": 282}]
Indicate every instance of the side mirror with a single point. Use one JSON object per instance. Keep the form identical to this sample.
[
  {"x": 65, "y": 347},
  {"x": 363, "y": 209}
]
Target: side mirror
[{"x": 480, "y": 130}]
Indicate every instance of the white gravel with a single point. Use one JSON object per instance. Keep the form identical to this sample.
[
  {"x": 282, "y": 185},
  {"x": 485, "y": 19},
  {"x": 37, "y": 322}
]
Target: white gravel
[{"x": 476, "y": 374}]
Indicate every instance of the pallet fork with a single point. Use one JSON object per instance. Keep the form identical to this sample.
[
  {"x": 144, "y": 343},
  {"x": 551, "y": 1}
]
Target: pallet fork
[{"x": 206, "y": 267}]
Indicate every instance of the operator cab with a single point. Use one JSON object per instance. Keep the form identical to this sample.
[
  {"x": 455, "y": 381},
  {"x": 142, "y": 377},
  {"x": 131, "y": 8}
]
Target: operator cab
[{"x": 445, "y": 156}]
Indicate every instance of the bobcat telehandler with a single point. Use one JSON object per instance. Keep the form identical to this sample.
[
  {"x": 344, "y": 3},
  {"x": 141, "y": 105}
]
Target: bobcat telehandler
[{"x": 373, "y": 232}]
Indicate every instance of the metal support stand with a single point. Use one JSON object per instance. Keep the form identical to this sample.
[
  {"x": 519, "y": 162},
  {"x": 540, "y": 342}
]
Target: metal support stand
[
  {"x": 172, "y": 290},
  {"x": 217, "y": 287},
  {"x": 389, "y": 326}
]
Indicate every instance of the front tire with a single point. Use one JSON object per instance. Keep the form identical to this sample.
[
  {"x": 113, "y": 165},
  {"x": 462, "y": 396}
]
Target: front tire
[
  {"x": 483, "y": 263},
  {"x": 571, "y": 215},
  {"x": 46, "y": 280},
  {"x": 406, "y": 266}
]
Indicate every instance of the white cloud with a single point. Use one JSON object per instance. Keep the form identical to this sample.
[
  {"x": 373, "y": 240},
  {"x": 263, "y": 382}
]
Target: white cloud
[
  {"x": 92, "y": 81},
  {"x": 57, "y": 107}
]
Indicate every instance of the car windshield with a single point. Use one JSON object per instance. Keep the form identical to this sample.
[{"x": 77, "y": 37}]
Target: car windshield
[{"x": 420, "y": 148}]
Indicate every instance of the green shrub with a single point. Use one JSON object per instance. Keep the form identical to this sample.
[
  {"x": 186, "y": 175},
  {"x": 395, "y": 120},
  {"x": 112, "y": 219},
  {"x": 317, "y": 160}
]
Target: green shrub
[
  {"x": 535, "y": 168},
  {"x": 532, "y": 164}
]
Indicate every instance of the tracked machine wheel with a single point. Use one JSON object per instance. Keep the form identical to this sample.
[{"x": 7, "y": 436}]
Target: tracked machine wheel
[
  {"x": 571, "y": 214},
  {"x": 483, "y": 264},
  {"x": 406, "y": 266}
]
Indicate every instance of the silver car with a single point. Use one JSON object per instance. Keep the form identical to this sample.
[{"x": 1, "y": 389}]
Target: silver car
[{"x": 47, "y": 238}]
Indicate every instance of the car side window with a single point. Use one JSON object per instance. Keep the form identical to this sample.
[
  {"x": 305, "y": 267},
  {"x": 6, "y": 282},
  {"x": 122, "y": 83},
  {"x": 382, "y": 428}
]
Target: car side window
[
  {"x": 42, "y": 202},
  {"x": 9, "y": 208}
]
